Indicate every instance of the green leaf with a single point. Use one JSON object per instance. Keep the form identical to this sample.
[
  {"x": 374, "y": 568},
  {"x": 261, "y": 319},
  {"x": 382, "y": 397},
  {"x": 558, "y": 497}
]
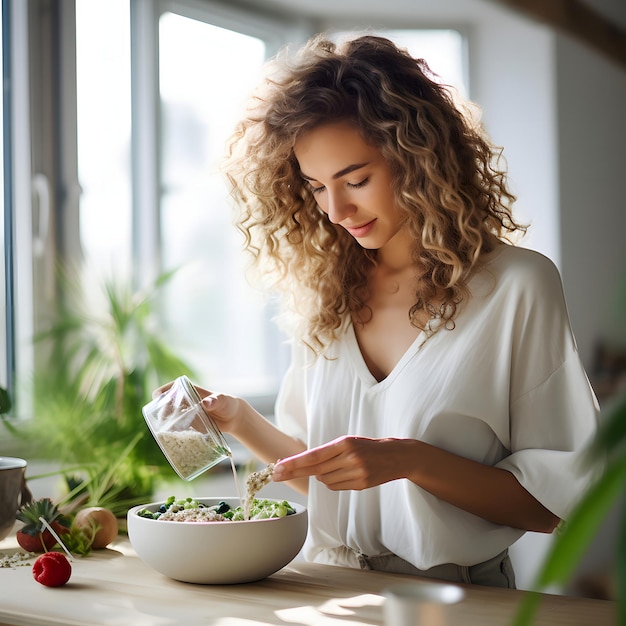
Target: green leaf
[
  {"x": 10, "y": 426},
  {"x": 5, "y": 401},
  {"x": 77, "y": 541},
  {"x": 621, "y": 572},
  {"x": 527, "y": 609}
]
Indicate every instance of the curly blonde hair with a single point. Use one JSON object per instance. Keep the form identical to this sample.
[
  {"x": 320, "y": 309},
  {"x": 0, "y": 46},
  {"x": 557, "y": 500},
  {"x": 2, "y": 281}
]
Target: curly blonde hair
[{"x": 448, "y": 180}]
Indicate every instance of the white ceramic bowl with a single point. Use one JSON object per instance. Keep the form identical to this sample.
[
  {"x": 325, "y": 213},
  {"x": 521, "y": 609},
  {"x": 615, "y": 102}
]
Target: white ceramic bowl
[{"x": 218, "y": 553}]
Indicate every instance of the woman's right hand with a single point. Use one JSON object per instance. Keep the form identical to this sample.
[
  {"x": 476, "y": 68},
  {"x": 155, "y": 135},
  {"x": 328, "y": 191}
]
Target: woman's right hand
[
  {"x": 227, "y": 411},
  {"x": 259, "y": 435}
]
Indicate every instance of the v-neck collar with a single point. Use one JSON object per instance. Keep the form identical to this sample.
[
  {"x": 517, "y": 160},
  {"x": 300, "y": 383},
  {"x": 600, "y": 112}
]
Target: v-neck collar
[
  {"x": 363, "y": 371},
  {"x": 432, "y": 326}
]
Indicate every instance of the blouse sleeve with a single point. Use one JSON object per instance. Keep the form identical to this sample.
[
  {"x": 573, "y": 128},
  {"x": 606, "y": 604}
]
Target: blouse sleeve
[
  {"x": 553, "y": 409},
  {"x": 551, "y": 428}
]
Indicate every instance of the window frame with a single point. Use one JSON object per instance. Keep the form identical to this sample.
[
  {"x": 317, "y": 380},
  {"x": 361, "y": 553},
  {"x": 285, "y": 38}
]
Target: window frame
[{"x": 17, "y": 228}]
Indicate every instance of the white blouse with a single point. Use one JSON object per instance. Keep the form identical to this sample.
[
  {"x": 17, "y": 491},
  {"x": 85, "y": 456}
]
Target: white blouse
[{"x": 505, "y": 387}]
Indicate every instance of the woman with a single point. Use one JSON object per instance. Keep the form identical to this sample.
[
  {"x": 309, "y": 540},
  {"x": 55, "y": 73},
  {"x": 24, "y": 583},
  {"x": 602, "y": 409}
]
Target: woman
[{"x": 436, "y": 407}]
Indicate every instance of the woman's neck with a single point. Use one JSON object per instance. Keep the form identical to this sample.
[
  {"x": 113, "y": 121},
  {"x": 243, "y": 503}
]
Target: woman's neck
[{"x": 397, "y": 254}]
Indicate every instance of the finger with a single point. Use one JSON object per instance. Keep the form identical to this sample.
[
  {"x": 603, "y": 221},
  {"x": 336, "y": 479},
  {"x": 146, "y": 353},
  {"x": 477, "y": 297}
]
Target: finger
[
  {"x": 218, "y": 405},
  {"x": 210, "y": 402},
  {"x": 310, "y": 463},
  {"x": 343, "y": 479},
  {"x": 221, "y": 408},
  {"x": 202, "y": 392},
  {"x": 307, "y": 459},
  {"x": 161, "y": 390}
]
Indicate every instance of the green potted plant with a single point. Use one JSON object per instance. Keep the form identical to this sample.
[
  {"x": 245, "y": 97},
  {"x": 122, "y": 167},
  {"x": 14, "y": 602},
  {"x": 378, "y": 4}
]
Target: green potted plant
[{"x": 102, "y": 364}]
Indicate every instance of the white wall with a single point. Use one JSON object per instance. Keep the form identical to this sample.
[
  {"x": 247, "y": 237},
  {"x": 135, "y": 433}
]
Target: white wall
[
  {"x": 513, "y": 79},
  {"x": 591, "y": 101},
  {"x": 591, "y": 94}
]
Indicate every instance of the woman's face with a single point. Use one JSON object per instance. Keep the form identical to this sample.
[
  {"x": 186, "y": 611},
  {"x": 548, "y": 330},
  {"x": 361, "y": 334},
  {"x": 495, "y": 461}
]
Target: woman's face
[{"x": 351, "y": 182}]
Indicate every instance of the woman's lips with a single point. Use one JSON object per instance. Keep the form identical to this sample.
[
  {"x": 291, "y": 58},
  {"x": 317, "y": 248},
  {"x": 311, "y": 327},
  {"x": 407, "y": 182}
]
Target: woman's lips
[{"x": 361, "y": 231}]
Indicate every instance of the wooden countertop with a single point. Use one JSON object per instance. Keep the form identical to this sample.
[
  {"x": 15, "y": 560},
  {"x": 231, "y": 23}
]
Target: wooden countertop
[{"x": 114, "y": 587}]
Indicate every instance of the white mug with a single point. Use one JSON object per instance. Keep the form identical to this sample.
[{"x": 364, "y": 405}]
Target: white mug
[
  {"x": 420, "y": 603},
  {"x": 13, "y": 491}
]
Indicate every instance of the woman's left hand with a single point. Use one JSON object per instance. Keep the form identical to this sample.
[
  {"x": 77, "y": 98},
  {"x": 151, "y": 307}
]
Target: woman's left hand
[
  {"x": 348, "y": 462},
  {"x": 357, "y": 463}
]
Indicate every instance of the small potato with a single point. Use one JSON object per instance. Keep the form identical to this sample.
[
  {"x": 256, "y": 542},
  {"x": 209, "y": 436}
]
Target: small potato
[{"x": 102, "y": 521}]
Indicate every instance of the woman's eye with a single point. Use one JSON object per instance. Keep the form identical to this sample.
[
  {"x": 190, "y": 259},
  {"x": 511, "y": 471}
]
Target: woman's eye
[
  {"x": 319, "y": 188},
  {"x": 358, "y": 185},
  {"x": 314, "y": 188}
]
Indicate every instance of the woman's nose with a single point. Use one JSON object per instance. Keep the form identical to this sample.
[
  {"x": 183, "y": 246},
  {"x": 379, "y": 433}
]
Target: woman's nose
[{"x": 339, "y": 208}]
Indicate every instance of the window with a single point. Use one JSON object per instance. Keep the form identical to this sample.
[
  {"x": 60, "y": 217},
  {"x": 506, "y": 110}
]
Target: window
[
  {"x": 20, "y": 228},
  {"x": 104, "y": 133},
  {"x": 211, "y": 309},
  {"x": 216, "y": 321}
]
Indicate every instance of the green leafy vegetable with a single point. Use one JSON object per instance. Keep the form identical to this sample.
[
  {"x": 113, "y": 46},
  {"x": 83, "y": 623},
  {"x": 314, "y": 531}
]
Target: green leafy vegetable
[{"x": 261, "y": 509}]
